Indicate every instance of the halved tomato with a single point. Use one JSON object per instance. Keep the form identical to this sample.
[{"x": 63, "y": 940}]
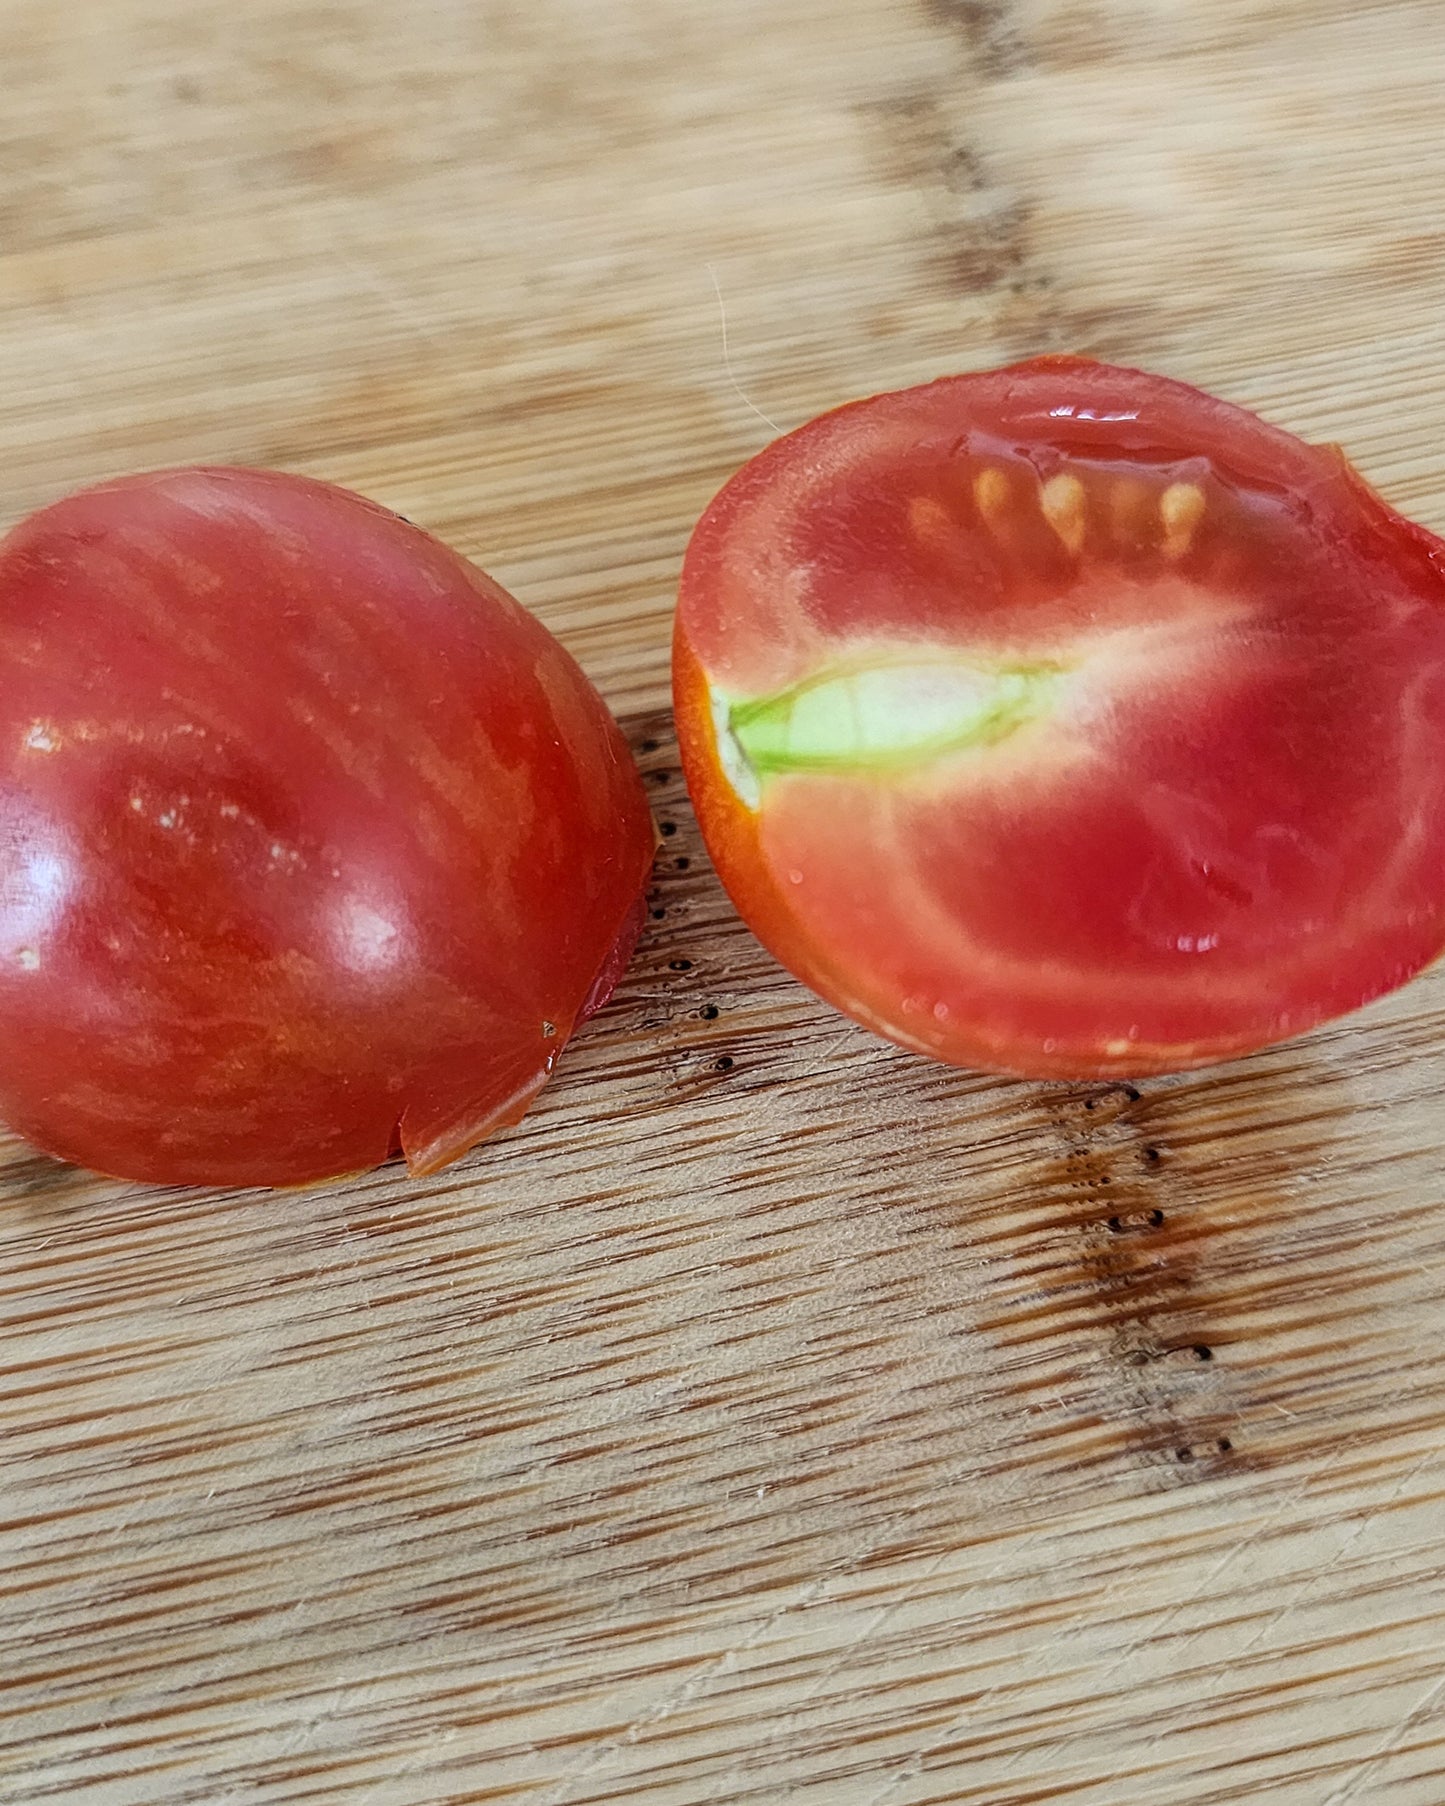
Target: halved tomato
[
  {"x": 313, "y": 843},
  {"x": 1062, "y": 720}
]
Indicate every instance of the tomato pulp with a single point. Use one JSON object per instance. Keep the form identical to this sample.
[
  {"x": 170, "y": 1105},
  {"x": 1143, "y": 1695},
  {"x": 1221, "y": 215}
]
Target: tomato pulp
[
  {"x": 313, "y": 843},
  {"x": 1062, "y": 720}
]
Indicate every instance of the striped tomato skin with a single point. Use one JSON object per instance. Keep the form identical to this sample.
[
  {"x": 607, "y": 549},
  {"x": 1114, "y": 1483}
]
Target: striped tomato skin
[{"x": 313, "y": 842}]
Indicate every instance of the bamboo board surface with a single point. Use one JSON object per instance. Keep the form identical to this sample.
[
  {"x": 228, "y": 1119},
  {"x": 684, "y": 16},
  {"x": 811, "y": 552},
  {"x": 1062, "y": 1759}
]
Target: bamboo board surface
[{"x": 771, "y": 1416}]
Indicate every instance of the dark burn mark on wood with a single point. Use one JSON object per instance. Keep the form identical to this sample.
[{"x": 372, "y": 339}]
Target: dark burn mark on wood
[
  {"x": 990, "y": 254},
  {"x": 1169, "y": 1243},
  {"x": 990, "y": 32},
  {"x": 1181, "y": 1355},
  {"x": 1124, "y": 1223},
  {"x": 1122, "y": 1268},
  {"x": 935, "y": 139},
  {"x": 978, "y": 240}
]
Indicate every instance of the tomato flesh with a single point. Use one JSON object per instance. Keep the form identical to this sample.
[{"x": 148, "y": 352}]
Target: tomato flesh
[
  {"x": 1063, "y": 720},
  {"x": 313, "y": 843}
]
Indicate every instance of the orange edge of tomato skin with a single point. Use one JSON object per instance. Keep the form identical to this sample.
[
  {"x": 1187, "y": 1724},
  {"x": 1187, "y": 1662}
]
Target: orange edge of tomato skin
[
  {"x": 731, "y": 832},
  {"x": 443, "y": 1150}
]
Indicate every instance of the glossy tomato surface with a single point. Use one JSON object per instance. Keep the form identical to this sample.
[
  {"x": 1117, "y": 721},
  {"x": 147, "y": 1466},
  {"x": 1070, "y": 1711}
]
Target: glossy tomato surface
[
  {"x": 1062, "y": 720},
  {"x": 313, "y": 843}
]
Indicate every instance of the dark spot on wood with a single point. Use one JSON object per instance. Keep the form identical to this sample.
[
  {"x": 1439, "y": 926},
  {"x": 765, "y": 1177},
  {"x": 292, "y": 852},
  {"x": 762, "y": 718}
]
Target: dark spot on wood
[
  {"x": 679, "y": 965},
  {"x": 1125, "y": 1224},
  {"x": 963, "y": 170},
  {"x": 667, "y": 828},
  {"x": 988, "y": 257},
  {"x": 990, "y": 32}
]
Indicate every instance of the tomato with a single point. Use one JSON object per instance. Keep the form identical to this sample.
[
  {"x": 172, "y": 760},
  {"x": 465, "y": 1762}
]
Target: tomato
[
  {"x": 1063, "y": 721},
  {"x": 314, "y": 845}
]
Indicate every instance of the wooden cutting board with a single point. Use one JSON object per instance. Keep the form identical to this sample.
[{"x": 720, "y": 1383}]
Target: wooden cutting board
[{"x": 772, "y": 1416}]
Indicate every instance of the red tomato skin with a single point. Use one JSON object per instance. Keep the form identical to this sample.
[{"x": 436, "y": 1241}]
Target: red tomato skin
[
  {"x": 1066, "y": 928},
  {"x": 314, "y": 844}
]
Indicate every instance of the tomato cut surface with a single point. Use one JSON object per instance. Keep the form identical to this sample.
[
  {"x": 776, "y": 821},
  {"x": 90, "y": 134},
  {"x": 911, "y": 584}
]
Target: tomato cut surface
[
  {"x": 1065, "y": 721},
  {"x": 313, "y": 843}
]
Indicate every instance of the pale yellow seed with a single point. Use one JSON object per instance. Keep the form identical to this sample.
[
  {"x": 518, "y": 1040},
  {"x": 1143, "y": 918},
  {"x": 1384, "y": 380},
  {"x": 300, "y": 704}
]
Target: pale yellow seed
[
  {"x": 991, "y": 491},
  {"x": 1062, "y": 500},
  {"x": 1181, "y": 508}
]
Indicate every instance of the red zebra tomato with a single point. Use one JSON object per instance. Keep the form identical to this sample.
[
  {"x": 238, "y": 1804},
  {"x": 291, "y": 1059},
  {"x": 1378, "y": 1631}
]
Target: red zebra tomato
[
  {"x": 1064, "y": 721},
  {"x": 313, "y": 843}
]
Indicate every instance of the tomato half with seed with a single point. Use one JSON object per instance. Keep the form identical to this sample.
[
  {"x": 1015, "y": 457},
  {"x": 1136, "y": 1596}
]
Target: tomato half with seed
[
  {"x": 1061, "y": 720},
  {"x": 313, "y": 843}
]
